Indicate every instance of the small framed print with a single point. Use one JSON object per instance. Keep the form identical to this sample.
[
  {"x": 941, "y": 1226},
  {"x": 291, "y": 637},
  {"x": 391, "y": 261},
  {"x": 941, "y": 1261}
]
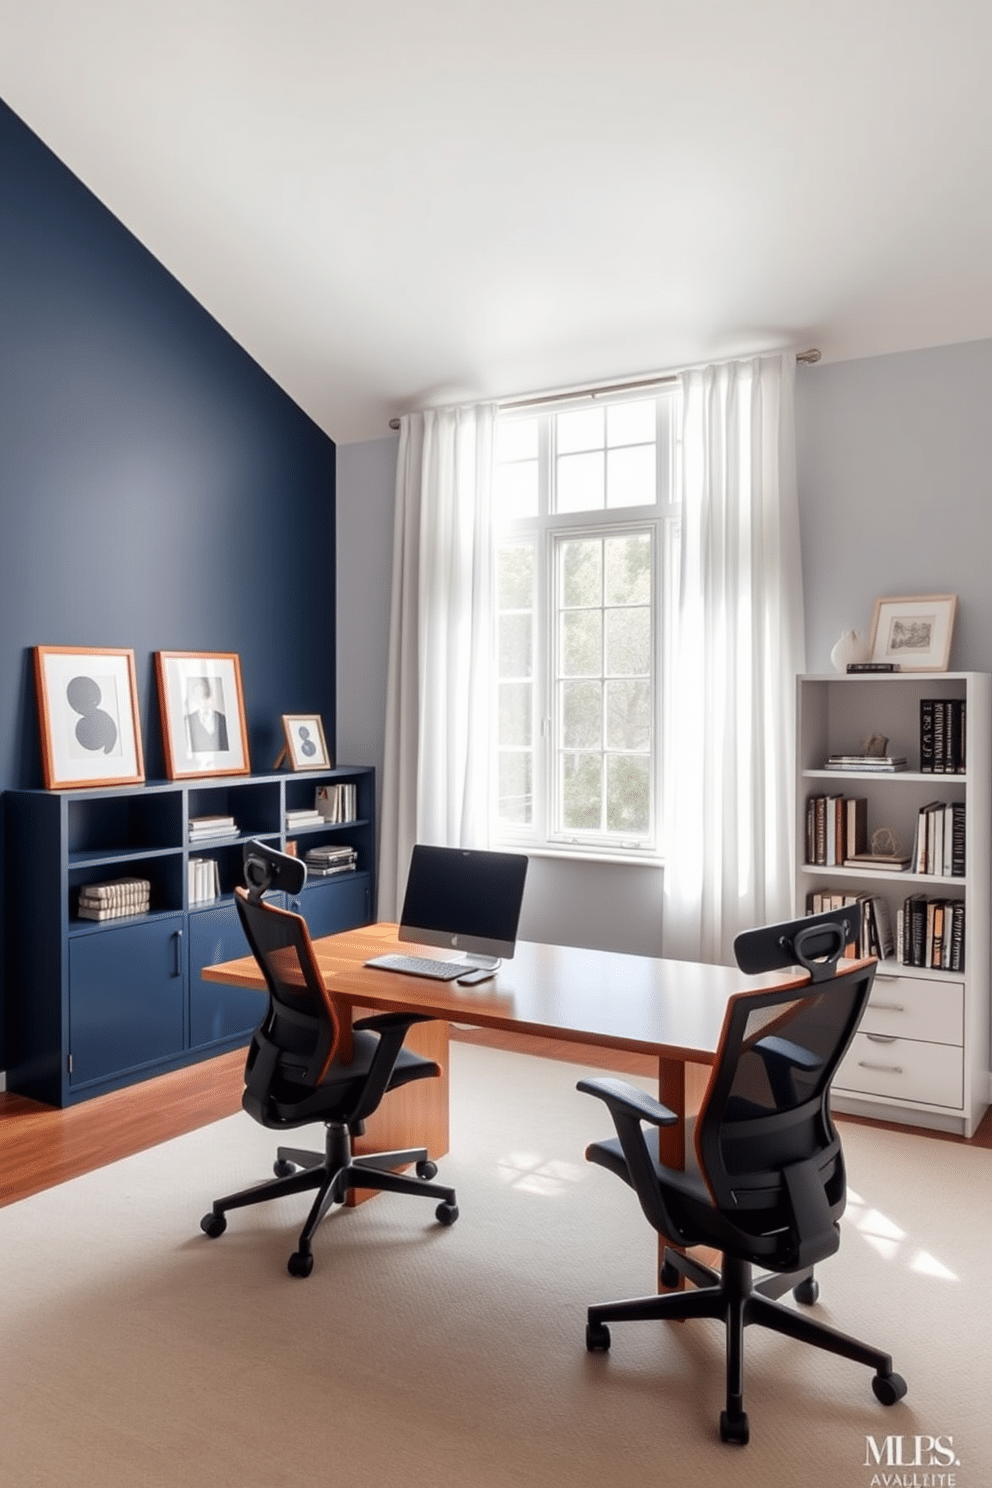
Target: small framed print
[
  {"x": 88, "y": 716},
  {"x": 306, "y": 748},
  {"x": 914, "y": 633},
  {"x": 203, "y": 713}
]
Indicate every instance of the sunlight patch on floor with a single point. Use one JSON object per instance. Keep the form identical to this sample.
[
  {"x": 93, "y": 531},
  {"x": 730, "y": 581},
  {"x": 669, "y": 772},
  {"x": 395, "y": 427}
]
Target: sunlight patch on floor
[
  {"x": 892, "y": 1243},
  {"x": 532, "y": 1173}
]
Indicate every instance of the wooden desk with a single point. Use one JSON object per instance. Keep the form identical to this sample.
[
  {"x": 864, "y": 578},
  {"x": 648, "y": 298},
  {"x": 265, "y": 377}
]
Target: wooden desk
[{"x": 672, "y": 1010}]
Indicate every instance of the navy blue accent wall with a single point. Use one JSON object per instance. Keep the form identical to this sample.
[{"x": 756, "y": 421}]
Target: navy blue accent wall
[{"x": 157, "y": 489}]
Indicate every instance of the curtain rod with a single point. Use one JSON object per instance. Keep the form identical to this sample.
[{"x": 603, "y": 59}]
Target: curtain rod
[{"x": 604, "y": 389}]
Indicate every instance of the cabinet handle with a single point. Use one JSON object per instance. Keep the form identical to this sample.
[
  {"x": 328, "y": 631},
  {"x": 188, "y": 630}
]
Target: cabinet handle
[
  {"x": 882, "y": 1038},
  {"x": 887, "y": 1069},
  {"x": 888, "y": 1007},
  {"x": 177, "y": 969}
]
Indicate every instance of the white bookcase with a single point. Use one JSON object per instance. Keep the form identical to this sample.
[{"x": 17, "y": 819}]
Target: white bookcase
[{"x": 922, "y": 1053}]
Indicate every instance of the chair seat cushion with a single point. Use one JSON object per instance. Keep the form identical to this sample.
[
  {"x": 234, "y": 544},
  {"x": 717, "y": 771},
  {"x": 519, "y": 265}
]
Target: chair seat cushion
[{"x": 339, "y": 1093}]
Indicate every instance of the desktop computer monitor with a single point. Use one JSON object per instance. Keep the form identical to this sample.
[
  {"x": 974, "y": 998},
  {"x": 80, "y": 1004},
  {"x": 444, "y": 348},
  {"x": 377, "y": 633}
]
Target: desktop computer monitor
[{"x": 465, "y": 899}]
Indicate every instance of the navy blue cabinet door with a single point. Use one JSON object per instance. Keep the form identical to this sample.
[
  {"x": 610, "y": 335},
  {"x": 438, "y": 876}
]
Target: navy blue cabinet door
[
  {"x": 126, "y": 997},
  {"x": 338, "y": 905},
  {"x": 218, "y": 1012}
]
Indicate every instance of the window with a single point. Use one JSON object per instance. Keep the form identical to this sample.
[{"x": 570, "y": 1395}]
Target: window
[{"x": 583, "y": 497}]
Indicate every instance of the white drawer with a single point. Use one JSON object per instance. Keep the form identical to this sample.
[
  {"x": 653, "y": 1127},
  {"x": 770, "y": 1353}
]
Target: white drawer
[
  {"x": 903, "y": 1069},
  {"x": 912, "y": 1007}
]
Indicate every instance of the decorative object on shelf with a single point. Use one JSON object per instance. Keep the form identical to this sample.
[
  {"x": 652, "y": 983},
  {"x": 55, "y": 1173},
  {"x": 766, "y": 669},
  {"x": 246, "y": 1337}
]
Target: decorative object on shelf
[
  {"x": 203, "y": 713},
  {"x": 886, "y": 851},
  {"x": 88, "y": 716},
  {"x": 306, "y": 748},
  {"x": 914, "y": 633},
  {"x": 850, "y": 648}
]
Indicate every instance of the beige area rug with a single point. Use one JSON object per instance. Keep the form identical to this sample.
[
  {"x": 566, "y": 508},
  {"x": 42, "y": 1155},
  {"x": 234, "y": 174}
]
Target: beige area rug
[{"x": 135, "y": 1351}]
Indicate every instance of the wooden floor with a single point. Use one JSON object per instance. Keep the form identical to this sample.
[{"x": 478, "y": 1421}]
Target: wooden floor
[{"x": 41, "y": 1146}]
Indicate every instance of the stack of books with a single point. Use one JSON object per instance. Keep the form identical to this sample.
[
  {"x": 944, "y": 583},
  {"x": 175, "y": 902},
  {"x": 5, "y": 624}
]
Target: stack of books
[
  {"x": 880, "y": 764},
  {"x": 942, "y": 736},
  {"x": 324, "y": 862},
  {"x": 211, "y": 828},
  {"x": 204, "y": 880},
  {"x": 338, "y": 803},
  {"x": 303, "y": 817},
  {"x": 115, "y": 899}
]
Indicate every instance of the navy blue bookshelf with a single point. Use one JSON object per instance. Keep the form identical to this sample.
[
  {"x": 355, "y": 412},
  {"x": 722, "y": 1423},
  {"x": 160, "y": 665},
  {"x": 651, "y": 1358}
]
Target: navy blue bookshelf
[{"x": 99, "y": 1004}]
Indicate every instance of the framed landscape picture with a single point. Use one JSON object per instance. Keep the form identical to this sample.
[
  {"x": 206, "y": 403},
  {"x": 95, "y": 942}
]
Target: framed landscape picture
[
  {"x": 305, "y": 744},
  {"x": 88, "y": 716},
  {"x": 203, "y": 713},
  {"x": 914, "y": 633}
]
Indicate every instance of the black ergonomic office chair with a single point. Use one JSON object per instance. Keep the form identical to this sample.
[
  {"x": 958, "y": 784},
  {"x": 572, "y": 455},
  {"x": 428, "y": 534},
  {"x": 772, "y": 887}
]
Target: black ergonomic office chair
[
  {"x": 770, "y": 1186},
  {"x": 295, "y": 1076}
]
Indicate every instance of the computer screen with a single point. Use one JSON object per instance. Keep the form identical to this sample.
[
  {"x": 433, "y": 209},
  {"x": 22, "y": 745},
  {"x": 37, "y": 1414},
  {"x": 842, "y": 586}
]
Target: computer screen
[{"x": 466, "y": 899}]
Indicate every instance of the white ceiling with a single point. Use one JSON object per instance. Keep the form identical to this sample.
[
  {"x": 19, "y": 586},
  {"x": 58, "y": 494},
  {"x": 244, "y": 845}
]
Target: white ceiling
[{"x": 392, "y": 203}]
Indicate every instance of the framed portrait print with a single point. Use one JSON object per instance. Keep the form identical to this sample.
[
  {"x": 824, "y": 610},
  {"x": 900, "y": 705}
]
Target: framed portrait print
[
  {"x": 88, "y": 716},
  {"x": 306, "y": 748},
  {"x": 203, "y": 713},
  {"x": 914, "y": 633}
]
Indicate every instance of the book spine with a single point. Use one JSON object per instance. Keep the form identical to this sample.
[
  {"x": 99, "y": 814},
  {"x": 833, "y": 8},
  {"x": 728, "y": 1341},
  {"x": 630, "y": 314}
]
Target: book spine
[{"x": 926, "y": 736}]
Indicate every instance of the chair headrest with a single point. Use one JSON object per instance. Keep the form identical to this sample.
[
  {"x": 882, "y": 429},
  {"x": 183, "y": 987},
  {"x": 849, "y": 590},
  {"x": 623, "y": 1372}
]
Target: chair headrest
[
  {"x": 267, "y": 868},
  {"x": 816, "y": 942}
]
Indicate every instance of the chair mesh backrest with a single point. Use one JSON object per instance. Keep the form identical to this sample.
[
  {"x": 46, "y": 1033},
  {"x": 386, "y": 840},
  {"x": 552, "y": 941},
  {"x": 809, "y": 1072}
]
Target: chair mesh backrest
[
  {"x": 302, "y": 1021},
  {"x": 766, "y": 1108}
]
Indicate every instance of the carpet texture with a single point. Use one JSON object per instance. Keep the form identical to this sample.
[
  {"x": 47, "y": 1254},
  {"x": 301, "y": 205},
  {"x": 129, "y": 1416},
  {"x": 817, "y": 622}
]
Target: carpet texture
[{"x": 135, "y": 1351}]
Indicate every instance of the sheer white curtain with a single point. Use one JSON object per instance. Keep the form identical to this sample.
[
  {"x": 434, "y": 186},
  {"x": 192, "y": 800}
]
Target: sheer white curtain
[
  {"x": 436, "y": 765},
  {"x": 739, "y": 644}
]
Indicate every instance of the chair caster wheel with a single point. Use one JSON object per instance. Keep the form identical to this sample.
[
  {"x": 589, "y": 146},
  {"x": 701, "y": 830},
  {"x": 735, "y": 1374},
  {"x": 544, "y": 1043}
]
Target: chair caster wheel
[
  {"x": 807, "y": 1291},
  {"x": 735, "y": 1428},
  {"x": 427, "y": 1169},
  {"x": 282, "y": 1168},
  {"x": 889, "y": 1388},
  {"x": 300, "y": 1263},
  {"x": 446, "y": 1213},
  {"x": 213, "y": 1224},
  {"x": 597, "y": 1338}
]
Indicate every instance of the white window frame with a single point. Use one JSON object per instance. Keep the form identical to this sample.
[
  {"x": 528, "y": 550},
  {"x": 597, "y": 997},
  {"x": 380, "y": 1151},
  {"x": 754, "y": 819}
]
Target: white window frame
[{"x": 545, "y": 531}]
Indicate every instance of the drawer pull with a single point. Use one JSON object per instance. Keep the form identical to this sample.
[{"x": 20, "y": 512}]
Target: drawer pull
[
  {"x": 882, "y": 1038},
  {"x": 888, "y": 1007},
  {"x": 887, "y": 1069}
]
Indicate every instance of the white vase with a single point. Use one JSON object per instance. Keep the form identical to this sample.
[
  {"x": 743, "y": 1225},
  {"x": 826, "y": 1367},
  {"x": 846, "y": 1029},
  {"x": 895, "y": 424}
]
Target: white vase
[{"x": 848, "y": 648}]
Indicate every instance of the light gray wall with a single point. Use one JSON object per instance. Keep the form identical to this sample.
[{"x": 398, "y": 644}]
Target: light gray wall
[{"x": 895, "y": 488}]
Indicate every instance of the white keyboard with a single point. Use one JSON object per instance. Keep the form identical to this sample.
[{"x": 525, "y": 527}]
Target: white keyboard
[{"x": 422, "y": 966}]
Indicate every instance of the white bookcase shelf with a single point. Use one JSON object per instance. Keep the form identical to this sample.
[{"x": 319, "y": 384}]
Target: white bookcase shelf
[{"x": 921, "y": 1056}]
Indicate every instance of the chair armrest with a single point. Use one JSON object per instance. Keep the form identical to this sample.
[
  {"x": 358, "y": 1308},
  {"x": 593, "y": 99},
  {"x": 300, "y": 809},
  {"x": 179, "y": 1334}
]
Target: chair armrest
[
  {"x": 380, "y": 1022},
  {"x": 627, "y": 1100},
  {"x": 392, "y": 1030}
]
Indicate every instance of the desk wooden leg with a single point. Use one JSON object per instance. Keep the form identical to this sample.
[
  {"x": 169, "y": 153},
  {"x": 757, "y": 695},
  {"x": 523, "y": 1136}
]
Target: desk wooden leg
[
  {"x": 680, "y": 1088},
  {"x": 416, "y": 1115}
]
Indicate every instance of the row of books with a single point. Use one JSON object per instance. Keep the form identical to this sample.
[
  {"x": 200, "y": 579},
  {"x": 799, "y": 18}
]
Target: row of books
[
  {"x": 877, "y": 935},
  {"x": 942, "y": 736},
  {"x": 836, "y": 829},
  {"x": 326, "y": 861},
  {"x": 927, "y": 932},
  {"x": 337, "y": 803},
  {"x": 940, "y": 839},
  {"x": 930, "y": 932},
  {"x": 114, "y": 899},
  {"x": 203, "y": 880},
  {"x": 212, "y": 828}
]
